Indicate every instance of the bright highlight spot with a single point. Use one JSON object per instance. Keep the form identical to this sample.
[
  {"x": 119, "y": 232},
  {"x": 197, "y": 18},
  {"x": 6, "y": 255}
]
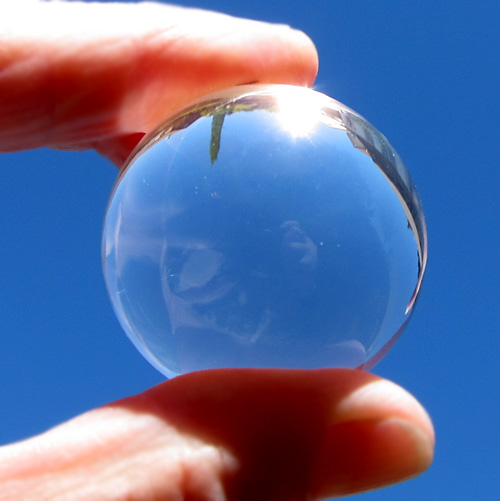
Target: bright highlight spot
[{"x": 298, "y": 114}]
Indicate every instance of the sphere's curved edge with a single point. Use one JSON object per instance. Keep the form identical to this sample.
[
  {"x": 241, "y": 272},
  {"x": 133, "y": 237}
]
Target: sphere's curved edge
[
  {"x": 368, "y": 139},
  {"x": 382, "y": 352}
]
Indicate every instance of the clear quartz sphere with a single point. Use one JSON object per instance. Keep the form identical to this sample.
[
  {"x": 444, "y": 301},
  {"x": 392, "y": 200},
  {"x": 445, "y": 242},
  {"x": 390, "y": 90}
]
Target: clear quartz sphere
[{"x": 264, "y": 226}]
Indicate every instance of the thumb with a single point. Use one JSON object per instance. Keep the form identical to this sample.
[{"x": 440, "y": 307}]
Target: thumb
[{"x": 272, "y": 435}]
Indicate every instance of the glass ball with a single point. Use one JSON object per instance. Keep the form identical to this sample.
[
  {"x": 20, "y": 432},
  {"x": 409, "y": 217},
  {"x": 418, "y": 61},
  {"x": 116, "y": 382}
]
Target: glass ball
[{"x": 264, "y": 226}]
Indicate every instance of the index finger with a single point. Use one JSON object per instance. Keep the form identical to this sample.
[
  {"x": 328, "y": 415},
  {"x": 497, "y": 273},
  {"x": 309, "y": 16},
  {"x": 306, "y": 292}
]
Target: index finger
[{"x": 75, "y": 73}]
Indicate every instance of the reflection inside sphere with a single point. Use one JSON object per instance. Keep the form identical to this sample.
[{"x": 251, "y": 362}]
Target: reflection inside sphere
[{"x": 264, "y": 226}]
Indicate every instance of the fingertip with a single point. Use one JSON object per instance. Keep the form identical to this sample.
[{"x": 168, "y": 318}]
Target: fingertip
[
  {"x": 310, "y": 56},
  {"x": 361, "y": 456},
  {"x": 383, "y": 399},
  {"x": 379, "y": 435},
  {"x": 304, "y": 57}
]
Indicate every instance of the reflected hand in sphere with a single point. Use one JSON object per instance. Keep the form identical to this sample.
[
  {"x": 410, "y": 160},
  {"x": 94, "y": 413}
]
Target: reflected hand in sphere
[{"x": 264, "y": 226}]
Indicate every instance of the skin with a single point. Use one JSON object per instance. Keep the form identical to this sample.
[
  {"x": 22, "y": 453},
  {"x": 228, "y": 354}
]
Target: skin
[{"x": 78, "y": 76}]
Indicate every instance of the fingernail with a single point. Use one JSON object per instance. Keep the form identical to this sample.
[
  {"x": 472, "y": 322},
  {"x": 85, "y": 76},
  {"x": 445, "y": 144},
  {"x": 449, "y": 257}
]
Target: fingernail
[
  {"x": 379, "y": 435},
  {"x": 418, "y": 440},
  {"x": 380, "y": 399},
  {"x": 363, "y": 455}
]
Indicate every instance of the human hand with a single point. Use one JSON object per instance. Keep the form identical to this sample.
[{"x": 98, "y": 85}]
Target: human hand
[{"x": 100, "y": 76}]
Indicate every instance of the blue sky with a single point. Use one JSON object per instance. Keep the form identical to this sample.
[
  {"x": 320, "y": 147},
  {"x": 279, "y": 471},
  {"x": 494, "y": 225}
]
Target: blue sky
[{"x": 426, "y": 74}]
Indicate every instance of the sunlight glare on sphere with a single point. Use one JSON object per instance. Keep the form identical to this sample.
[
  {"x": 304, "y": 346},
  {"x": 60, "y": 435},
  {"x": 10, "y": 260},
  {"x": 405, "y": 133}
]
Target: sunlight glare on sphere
[
  {"x": 298, "y": 116},
  {"x": 264, "y": 226}
]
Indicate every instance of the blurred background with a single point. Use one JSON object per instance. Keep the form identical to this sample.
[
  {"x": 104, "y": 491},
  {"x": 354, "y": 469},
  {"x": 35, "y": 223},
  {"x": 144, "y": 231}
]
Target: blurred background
[{"x": 427, "y": 75}]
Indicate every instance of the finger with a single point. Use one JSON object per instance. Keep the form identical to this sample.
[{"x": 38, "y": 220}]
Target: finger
[
  {"x": 239, "y": 435},
  {"x": 72, "y": 73}
]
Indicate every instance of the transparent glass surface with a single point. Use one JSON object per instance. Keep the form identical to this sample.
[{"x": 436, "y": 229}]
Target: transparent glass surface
[{"x": 264, "y": 226}]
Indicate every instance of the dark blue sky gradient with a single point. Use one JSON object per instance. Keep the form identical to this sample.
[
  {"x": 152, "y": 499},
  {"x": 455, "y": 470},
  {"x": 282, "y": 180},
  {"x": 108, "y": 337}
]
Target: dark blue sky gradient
[{"x": 427, "y": 75}]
